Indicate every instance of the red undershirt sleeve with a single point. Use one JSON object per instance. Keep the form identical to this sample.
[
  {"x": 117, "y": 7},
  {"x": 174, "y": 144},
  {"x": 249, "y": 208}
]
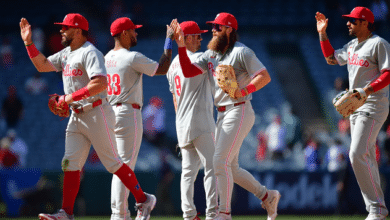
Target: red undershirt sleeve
[
  {"x": 382, "y": 81},
  {"x": 189, "y": 69}
]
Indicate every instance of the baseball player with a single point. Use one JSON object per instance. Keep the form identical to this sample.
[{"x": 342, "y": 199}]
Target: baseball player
[
  {"x": 367, "y": 58},
  {"x": 124, "y": 73},
  {"x": 235, "y": 115},
  {"x": 92, "y": 120},
  {"x": 194, "y": 126}
]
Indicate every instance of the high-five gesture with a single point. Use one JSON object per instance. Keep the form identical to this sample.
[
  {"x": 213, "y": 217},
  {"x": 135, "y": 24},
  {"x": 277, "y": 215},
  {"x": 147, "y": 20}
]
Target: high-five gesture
[
  {"x": 170, "y": 31},
  {"x": 25, "y": 31},
  {"x": 322, "y": 22},
  {"x": 179, "y": 34}
]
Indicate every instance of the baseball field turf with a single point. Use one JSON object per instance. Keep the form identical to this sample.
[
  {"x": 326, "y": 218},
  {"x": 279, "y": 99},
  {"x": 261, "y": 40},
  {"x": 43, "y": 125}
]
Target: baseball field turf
[{"x": 257, "y": 217}]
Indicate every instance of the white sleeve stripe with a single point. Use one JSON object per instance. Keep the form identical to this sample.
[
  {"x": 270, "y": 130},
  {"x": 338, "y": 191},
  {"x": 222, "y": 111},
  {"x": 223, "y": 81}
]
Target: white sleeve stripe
[
  {"x": 155, "y": 70},
  {"x": 338, "y": 62},
  {"x": 53, "y": 65},
  {"x": 199, "y": 68},
  {"x": 258, "y": 72}
]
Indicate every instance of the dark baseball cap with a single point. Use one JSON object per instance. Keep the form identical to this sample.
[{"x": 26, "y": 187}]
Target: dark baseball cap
[
  {"x": 226, "y": 19},
  {"x": 122, "y": 24},
  {"x": 191, "y": 27},
  {"x": 361, "y": 13},
  {"x": 75, "y": 20}
]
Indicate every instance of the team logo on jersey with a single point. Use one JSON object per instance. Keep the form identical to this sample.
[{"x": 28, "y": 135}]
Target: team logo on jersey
[
  {"x": 110, "y": 63},
  {"x": 68, "y": 71},
  {"x": 210, "y": 65},
  {"x": 354, "y": 60}
]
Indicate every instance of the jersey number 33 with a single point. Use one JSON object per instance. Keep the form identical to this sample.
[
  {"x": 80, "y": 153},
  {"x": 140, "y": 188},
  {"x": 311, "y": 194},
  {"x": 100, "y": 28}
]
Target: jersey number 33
[{"x": 114, "y": 87}]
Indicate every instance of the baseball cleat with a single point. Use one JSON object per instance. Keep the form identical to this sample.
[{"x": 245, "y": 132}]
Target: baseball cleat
[
  {"x": 223, "y": 216},
  {"x": 144, "y": 209},
  {"x": 271, "y": 204},
  {"x": 60, "y": 215},
  {"x": 376, "y": 217}
]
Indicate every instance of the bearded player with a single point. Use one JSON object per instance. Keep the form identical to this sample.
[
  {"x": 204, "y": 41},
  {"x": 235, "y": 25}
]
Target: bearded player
[
  {"x": 235, "y": 115},
  {"x": 367, "y": 58},
  {"x": 194, "y": 126},
  {"x": 92, "y": 120},
  {"x": 125, "y": 69}
]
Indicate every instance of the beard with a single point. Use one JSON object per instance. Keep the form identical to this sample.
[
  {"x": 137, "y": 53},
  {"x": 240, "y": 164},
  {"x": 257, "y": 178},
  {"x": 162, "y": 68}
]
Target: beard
[
  {"x": 133, "y": 42},
  {"x": 218, "y": 44},
  {"x": 67, "y": 41}
]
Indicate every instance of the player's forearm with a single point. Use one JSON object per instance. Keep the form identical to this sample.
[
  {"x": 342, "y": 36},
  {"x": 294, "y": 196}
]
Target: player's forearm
[
  {"x": 164, "y": 62},
  {"x": 378, "y": 84},
  {"x": 327, "y": 49},
  {"x": 257, "y": 83},
  {"x": 261, "y": 80},
  {"x": 323, "y": 36},
  {"x": 97, "y": 85},
  {"x": 38, "y": 59}
]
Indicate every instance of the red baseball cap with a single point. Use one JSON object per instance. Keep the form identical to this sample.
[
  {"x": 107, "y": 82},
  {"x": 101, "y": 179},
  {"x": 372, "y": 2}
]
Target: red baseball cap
[
  {"x": 122, "y": 24},
  {"x": 361, "y": 13},
  {"x": 191, "y": 27},
  {"x": 226, "y": 19},
  {"x": 75, "y": 21}
]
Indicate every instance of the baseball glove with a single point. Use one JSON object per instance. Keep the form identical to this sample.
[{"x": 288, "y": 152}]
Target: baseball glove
[
  {"x": 226, "y": 79},
  {"x": 347, "y": 102},
  {"x": 58, "y": 106}
]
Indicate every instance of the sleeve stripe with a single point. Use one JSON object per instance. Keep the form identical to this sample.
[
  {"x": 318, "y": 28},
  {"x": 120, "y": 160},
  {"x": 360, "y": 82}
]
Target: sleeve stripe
[
  {"x": 53, "y": 65},
  {"x": 155, "y": 70},
  {"x": 338, "y": 61},
  {"x": 200, "y": 68}
]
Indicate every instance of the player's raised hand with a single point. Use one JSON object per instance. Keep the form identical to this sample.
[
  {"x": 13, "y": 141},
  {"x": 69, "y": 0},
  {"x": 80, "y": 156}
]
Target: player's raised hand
[
  {"x": 322, "y": 22},
  {"x": 179, "y": 35},
  {"x": 25, "y": 31},
  {"x": 170, "y": 31}
]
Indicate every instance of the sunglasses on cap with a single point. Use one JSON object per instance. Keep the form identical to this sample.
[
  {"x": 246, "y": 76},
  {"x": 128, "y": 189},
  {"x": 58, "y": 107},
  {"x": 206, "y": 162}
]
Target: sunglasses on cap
[{"x": 218, "y": 27}]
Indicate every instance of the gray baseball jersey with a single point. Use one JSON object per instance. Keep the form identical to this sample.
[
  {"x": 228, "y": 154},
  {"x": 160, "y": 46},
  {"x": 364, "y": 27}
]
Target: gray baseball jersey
[
  {"x": 124, "y": 73},
  {"x": 95, "y": 126},
  {"x": 194, "y": 114},
  {"x": 246, "y": 66},
  {"x": 125, "y": 69},
  {"x": 195, "y": 133},
  {"x": 234, "y": 123},
  {"x": 366, "y": 62},
  {"x": 78, "y": 67}
]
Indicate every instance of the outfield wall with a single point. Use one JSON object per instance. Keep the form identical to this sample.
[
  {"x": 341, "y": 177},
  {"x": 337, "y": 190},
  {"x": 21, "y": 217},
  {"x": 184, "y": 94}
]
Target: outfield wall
[{"x": 302, "y": 192}]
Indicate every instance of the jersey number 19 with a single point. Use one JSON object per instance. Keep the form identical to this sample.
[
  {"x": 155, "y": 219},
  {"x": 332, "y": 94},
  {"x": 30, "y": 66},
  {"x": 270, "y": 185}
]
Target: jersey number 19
[{"x": 178, "y": 85}]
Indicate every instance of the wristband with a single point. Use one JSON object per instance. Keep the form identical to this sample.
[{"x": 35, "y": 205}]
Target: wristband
[
  {"x": 326, "y": 48},
  {"x": 80, "y": 94},
  {"x": 251, "y": 88},
  {"x": 243, "y": 92},
  {"x": 168, "y": 44},
  {"x": 32, "y": 50}
]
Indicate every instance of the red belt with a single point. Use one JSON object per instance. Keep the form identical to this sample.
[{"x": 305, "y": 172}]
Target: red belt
[
  {"x": 223, "y": 108},
  {"x": 136, "y": 106},
  {"x": 81, "y": 110}
]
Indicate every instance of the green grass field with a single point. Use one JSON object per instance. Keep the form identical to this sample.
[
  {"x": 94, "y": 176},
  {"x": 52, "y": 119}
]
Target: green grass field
[{"x": 257, "y": 217}]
